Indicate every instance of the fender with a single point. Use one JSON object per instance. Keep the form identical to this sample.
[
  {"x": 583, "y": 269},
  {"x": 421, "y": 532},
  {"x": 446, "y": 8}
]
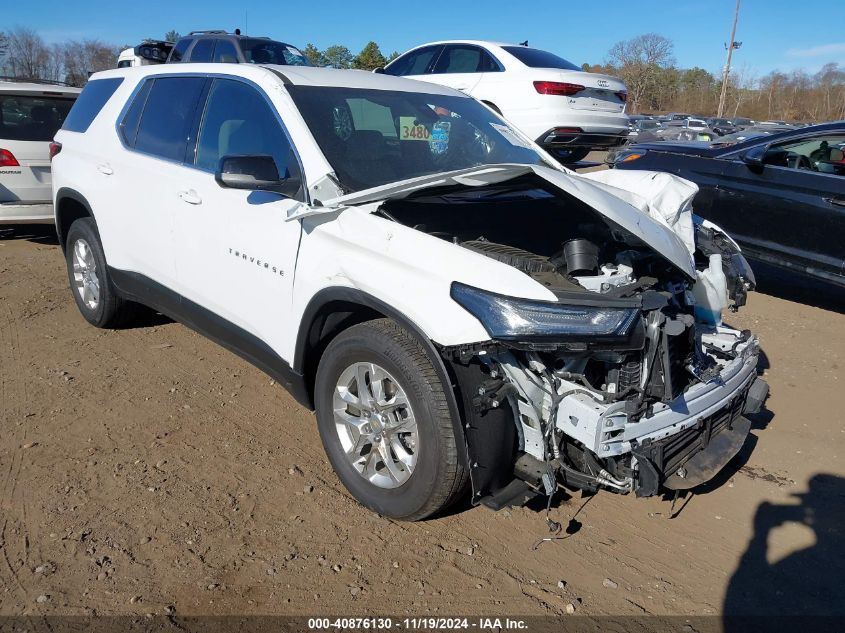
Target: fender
[
  {"x": 355, "y": 297},
  {"x": 69, "y": 194}
]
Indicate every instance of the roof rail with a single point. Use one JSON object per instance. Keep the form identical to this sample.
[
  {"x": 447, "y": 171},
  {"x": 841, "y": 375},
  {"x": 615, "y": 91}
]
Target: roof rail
[
  {"x": 215, "y": 31},
  {"x": 33, "y": 80}
]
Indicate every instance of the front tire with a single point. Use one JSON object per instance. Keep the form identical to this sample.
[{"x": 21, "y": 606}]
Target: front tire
[
  {"x": 385, "y": 424},
  {"x": 92, "y": 288}
]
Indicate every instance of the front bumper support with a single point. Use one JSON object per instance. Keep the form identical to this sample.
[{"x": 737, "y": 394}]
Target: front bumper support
[{"x": 694, "y": 456}]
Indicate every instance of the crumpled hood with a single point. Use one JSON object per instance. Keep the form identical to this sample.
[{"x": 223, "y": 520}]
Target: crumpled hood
[
  {"x": 664, "y": 197},
  {"x": 628, "y": 209}
]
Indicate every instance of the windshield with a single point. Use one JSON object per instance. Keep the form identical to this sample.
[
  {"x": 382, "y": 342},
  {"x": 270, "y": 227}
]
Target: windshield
[
  {"x": 260, "y": 51},
  {"x": 535, "y": 58},
  {"x": 374, "y": 137}
]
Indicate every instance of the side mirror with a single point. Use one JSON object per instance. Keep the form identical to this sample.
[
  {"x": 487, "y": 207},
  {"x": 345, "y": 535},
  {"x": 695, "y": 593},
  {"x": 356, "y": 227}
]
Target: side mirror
[
  {"x": 754, "y": 156},
  {"x": 379, "y": 70},
  {"x": 255, "y": 173}
]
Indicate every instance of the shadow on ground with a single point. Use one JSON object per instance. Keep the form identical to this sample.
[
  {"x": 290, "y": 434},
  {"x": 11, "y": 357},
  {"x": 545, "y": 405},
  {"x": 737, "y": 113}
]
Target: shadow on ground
[
  {"x": 38, "y": 233},
  {"x": 808, "y": 582}
]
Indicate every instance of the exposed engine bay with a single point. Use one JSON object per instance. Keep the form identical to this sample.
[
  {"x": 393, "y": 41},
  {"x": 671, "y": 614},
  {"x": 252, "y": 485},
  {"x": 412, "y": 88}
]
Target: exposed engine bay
[{"x": 629, "y": 411}]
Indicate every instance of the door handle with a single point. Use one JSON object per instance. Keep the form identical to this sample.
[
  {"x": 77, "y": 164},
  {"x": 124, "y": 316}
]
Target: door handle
[
  {"x": 105, "y": 169},
  {"x": 839, "y": 202},
  {"x": 190, "y": 196}
]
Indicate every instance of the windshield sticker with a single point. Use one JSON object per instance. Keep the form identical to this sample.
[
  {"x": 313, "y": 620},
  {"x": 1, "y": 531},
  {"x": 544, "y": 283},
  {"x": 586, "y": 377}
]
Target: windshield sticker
[
  {"x": 439, "y": 142},
  {"x": 410, "y": 129},
  {"x": 511, "y": 136}
]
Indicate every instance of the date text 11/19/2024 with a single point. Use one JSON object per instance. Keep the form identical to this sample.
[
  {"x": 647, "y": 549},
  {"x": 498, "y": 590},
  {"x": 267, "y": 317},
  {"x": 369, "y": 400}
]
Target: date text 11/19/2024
[{"x": 416, "y": 624}]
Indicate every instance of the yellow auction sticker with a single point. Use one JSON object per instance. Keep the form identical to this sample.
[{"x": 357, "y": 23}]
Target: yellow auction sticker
[{"x": 412, "y": 130}]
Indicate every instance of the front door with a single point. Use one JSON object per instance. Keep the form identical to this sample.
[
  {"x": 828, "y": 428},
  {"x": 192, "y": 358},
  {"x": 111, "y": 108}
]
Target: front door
[
  {"x": 235, "y": 251},
  {"x": 792, "y": 210}
]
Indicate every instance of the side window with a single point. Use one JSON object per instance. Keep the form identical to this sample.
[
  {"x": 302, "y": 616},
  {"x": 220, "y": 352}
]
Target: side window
[
  {"x": 225, "y": 52},
  {"x": 460, "y": 58},
  {"x": 129, "y": 125},
  {"x": 168, "y": 115},
  {"x": 370, "y": 116},
  {"x": 89, "y": 104},
  {"x": 488, "y": 63},
  {"x": 239, "y": 121},
  {"x": 180, "y": 49},
  {"x": 414, "y": 63},
  {"x": 823, "y": 154},
  {"x": 202, "y": 51}
]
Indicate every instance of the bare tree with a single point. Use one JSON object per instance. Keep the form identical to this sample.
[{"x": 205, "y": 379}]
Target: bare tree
[
  {"x": 27, "y": 55},
  {"x": 81, "y": 58},
  {"x": 639, "y": 62}
]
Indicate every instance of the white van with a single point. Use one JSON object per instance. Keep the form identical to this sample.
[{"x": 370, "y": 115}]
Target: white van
[{"x": 30, "y": 115}]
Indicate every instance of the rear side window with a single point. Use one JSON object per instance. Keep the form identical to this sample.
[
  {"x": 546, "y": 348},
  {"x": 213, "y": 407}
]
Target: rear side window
[
  {"x": 535, "y": 58},
  {"x": 25, "y": 118},
  {"x": 89, "y": 104},
  {"x": 180, "y": 49},
  {"x": 202, "y": 51},
  {"x": 414, "y": 63},
  {"x": 459, "y": 58},
  {"x": 239, "y": 121},
  {"x": 225, "y": 52},
  {"x": 129, "y": 125},
  {"x": 168, "y": 116}
]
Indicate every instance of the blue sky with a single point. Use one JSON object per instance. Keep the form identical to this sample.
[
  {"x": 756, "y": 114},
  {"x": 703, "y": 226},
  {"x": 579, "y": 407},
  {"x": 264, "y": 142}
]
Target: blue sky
[{"x": 781, "y": 34}]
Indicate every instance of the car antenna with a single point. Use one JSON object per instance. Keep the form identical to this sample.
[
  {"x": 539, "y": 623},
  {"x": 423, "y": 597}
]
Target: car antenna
[{"x": 525, "y": 43}]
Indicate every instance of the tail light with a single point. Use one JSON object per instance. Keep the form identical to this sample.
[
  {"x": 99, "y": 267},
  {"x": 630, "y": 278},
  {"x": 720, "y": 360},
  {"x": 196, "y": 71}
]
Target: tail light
[
  {"x": 55, "y": 148},
  {"x": 7, "y": 159},
  {"x": 623, "y": 96},
  {"x": 567, "y": 130},
  {"x": 557, "y": 88}
]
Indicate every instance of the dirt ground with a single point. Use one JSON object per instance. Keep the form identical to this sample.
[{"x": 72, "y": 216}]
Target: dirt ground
[{"x": 147, "y": 470}]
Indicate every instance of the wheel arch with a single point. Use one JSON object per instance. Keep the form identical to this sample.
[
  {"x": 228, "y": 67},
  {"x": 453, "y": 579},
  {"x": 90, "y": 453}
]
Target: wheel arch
[
  {"x": 70, "y": 206},
  {"x": 333, "y": 310}
]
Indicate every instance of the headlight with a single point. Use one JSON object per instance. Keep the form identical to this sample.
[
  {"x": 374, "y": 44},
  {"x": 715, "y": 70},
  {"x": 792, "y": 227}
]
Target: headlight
[{"x": 524, "y": 319}]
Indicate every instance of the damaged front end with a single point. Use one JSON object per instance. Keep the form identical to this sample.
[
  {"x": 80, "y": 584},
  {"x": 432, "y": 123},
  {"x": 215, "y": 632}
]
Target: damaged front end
[{"x": 618, "y": 383}]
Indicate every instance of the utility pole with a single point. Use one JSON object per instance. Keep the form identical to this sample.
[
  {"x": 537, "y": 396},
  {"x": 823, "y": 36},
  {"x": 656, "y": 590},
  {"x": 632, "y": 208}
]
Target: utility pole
[{"x": 730, "y": 46}]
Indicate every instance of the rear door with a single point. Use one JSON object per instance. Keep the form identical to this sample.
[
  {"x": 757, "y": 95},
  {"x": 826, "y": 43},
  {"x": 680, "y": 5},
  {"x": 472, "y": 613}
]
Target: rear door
[
  {"x": 462, "y": 66},
  {"x": 790, "y": 212},
  {"x": 28, "y": 122},
  {"x": 147, "y": 175}
]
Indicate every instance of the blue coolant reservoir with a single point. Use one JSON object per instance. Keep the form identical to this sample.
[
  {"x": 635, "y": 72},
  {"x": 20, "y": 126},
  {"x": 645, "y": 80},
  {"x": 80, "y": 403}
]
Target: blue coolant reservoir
[{"x": 711, "y": 292}]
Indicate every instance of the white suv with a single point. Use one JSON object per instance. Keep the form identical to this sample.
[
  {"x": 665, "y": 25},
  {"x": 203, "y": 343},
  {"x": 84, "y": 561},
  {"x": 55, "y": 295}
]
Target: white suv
[
  {"x": 454, "y": 305},
  {"x": 566, "y": 110},
  {"x": 30, "y": 114}
]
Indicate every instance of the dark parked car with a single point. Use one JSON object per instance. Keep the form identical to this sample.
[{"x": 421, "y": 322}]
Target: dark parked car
[
  {"x": 234, "y": 48},
  {"x": 781, "y": 196},
  {"x": 722, "y": 126}
]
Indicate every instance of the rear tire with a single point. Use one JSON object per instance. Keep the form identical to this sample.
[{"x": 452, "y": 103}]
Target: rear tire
[
  {"x": 400, "y": 460},
  {"x": 92, "y": 288}
]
